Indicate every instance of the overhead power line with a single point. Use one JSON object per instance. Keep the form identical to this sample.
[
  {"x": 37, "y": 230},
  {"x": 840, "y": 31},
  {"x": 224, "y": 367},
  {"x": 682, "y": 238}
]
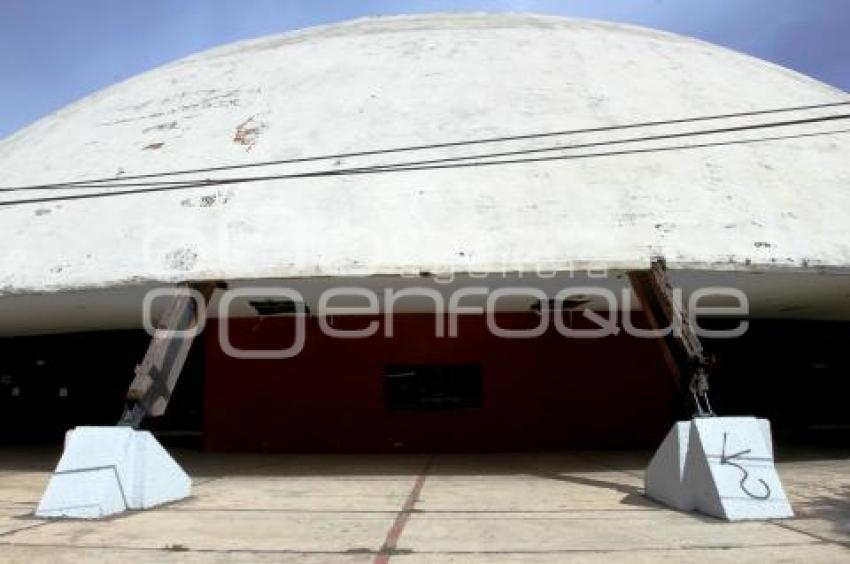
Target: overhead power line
[
  {"x": 666, "y": 136},
  {"x": 410, "y": 148},
  {"x": 396, "y": 168}
]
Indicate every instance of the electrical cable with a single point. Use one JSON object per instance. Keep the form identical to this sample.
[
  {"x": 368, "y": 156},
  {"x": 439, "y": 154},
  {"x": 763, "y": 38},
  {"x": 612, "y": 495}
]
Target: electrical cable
[
  {"x": 386, "y": 169},
  {"x": 211, "y": 182},
  {"x": 442, "y": 145}
]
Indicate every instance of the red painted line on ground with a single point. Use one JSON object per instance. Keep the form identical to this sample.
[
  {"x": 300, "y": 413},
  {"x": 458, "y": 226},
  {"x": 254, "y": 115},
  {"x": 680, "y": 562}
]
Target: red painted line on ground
[{"x": 397, "y": 528}]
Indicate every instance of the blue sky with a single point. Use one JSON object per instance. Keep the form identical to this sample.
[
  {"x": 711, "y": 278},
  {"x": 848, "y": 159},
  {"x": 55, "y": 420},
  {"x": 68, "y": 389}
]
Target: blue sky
[{"x": 53, "y": 52}]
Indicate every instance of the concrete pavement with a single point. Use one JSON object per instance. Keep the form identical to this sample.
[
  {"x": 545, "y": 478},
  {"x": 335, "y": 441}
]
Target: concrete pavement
[{"x": 411, "y": 509}]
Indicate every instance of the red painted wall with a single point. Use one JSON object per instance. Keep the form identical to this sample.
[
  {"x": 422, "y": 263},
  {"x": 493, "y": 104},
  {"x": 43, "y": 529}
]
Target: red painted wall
[{"x": 550, "y": 392}]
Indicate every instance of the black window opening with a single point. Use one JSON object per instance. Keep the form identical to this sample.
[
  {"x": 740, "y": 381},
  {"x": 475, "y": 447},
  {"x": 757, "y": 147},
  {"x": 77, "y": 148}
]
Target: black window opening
[{"x": 432, "y": 387}]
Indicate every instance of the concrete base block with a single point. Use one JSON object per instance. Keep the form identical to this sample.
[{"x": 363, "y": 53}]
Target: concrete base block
[
  {"x": 720, "y": 466},
  {"x": 107, "y": 470}
]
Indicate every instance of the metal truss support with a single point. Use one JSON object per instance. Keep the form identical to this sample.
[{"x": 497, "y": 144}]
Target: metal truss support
[
  {"x": 157, "y": 375},
  {"x": 683, "y": 352}
]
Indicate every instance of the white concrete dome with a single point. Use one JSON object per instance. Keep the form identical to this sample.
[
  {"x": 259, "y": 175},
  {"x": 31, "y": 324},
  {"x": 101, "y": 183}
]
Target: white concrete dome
[{"x": 380, "y": 83}]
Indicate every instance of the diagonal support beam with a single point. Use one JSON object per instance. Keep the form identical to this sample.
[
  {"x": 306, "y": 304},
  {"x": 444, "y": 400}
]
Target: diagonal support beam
[
  {"x": 157, "y": 375},
  {"x": 682, "y": 350}
]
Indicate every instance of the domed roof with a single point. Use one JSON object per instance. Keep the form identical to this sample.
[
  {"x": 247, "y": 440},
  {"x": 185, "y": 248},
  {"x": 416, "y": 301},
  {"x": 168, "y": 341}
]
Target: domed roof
[{"x": 380, "y": 83}]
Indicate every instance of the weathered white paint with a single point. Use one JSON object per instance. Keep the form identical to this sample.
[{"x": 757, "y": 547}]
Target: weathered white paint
[
  {"x": 108, "y": 470},
  {"x": 386, "y": 82}
]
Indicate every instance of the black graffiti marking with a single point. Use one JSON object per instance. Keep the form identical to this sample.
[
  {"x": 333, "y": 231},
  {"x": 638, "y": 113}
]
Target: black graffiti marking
[{"x": 728, "y": 460}]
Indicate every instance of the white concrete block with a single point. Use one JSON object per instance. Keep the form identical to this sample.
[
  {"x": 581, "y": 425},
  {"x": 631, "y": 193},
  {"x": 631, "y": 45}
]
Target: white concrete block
[
  {"x": 107, "y": 470},
  {"x": 728, "y": 470},
  {"x": 666, "y": 472}
]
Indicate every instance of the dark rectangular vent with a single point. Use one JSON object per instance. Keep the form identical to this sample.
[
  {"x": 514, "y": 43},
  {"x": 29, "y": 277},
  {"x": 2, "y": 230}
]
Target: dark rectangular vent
[
  {"x": 279, "y": 307},
  {"x": 571, "y": 303}
]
